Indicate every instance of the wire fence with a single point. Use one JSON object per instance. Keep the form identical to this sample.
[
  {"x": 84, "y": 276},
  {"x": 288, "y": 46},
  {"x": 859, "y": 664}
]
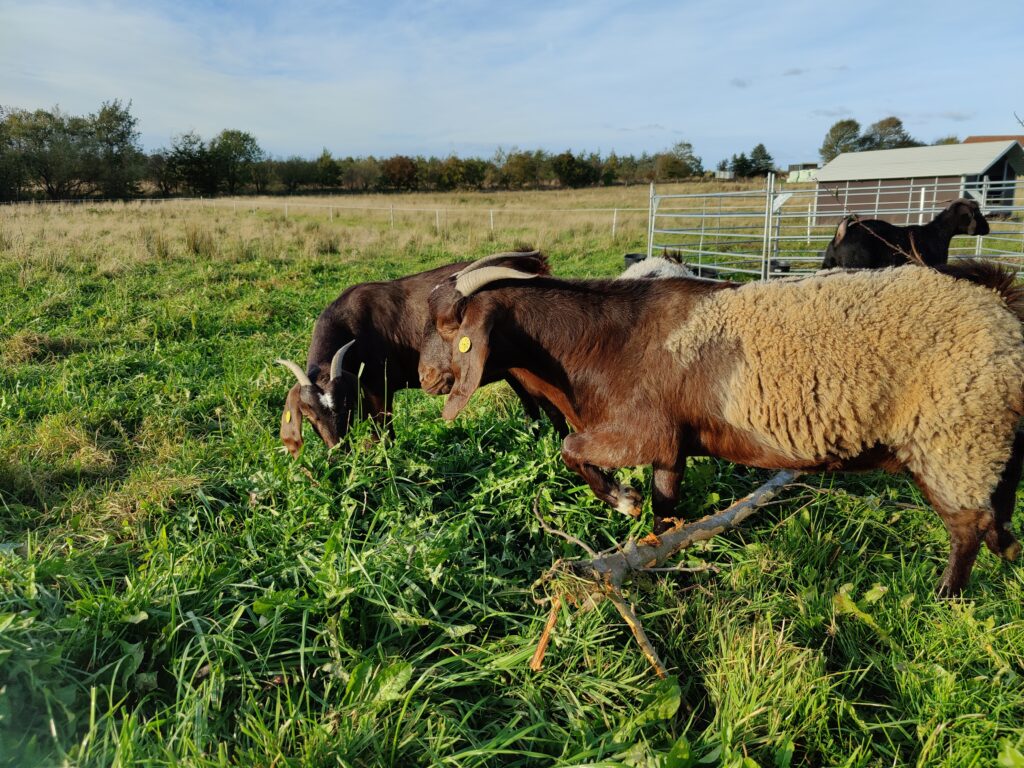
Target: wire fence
[
  {"x": 492, "y": 218},
  {"x": 777, "y": 231}
]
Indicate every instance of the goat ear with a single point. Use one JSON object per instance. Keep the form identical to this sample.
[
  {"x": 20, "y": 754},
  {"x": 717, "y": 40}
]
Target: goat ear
[
  {"x": 291, "y": 422},
  {"x": 470, "y": 350}
]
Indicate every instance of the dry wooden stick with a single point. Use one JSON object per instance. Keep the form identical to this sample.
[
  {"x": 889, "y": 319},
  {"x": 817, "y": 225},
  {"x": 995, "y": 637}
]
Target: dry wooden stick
[
  {"x": 545, "y": 637},
  {"x": 587, "y": 582}
]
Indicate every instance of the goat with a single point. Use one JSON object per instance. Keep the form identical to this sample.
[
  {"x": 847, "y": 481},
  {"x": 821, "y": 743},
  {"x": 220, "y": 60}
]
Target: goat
[
  {"x": 365, "y": 347},
  {"x": 873, "y": 243},
  {"x": 913, "y": 368}
]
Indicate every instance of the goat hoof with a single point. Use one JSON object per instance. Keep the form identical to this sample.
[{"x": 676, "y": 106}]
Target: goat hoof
[
  {"x": 948, "y": 591},
  {"x": 629, "y": 502}
]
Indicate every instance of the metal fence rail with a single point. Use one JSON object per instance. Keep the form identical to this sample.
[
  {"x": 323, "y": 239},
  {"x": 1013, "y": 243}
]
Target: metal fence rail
[{"x": 781, "y": 230}]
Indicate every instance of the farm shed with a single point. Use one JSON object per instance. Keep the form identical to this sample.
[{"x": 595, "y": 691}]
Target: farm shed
[{"x": 908, "y": 185}]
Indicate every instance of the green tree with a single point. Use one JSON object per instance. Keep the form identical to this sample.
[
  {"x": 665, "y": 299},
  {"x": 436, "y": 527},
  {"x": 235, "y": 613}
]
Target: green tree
[
  {"x": 12, "y": 174},
  {"x": 160, "y": 172},
  {"x": 574, "y": 171},
  {"x": 843, "y": 136},
  {"x": 951, "y": 139},
  {"x": 328, "y": 172},
  {"x": 683, "y": 152},
  {"x": 119, "y": 163},
  {"x": 761, "y": 163},
  {"x": 296, "y": 172},
  {"x": 399, "y": 172},
  {"x": 741, "y": 166},
  {"x": 522, "y": 169},
  {"x": 193, "y": 165},
  {"x": 234, "y": 153},
  {"x": 57, "y": 151},
  {"x": 887, "y": 133}
]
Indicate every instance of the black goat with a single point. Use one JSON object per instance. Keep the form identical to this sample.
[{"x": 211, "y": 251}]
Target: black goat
[
  {"x": 873, "y": 243},
  {"x": 366, "y": 346}
]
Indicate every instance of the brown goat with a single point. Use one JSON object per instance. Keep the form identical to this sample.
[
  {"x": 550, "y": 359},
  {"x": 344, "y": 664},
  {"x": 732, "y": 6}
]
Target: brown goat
[
  {"x": 366, "y": 346},
  {"x": 812, "y": 374}
]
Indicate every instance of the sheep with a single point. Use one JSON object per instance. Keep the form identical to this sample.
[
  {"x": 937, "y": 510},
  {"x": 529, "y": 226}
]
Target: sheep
[
  {"x": 873, "y": 243},
  {"x": 654, "y": 268},
  {"x": 913, "y": 368},
  {"x": 365, "y": 347}
]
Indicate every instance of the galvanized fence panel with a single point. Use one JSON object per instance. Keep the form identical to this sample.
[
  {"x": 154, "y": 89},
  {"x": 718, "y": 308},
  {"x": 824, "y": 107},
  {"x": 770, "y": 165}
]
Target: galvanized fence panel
[{"x": 779, "y": 230}]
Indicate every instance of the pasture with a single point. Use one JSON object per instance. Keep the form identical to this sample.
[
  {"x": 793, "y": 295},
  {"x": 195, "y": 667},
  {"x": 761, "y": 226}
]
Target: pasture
[{"x": 175, "y": 589}]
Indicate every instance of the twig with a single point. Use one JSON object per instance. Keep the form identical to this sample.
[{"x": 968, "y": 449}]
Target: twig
[
  {"x": 603, "y": 575},
  {"x": 561, "y": 534},
  {"x": 680, "y": 569},
  {"x": 629, "y": 616},
  {"x": 545, "y": 637}
]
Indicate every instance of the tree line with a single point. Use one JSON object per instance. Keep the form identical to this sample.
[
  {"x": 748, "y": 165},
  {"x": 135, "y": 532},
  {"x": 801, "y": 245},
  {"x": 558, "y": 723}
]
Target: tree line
[
  {"x": 49, "y": 153},
  {"x": 56, "y": 155}
]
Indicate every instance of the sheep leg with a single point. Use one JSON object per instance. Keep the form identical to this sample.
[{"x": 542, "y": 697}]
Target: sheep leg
[
  {"x": 999, "y": 538},
  {"x": 965, "y": 529},
  {"x": 665, "y": 496},
  {"x": 586, "y": 452}
]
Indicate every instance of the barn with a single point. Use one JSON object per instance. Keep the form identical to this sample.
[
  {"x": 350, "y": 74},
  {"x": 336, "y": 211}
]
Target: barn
[{"x": 909, "y": 185}]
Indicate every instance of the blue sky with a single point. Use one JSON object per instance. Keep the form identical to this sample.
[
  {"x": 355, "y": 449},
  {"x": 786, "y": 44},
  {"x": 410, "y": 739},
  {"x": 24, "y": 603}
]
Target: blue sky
[{"x": 466, "y": 77}]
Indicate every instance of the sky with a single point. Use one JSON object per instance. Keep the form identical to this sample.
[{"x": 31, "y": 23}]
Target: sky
[{"x": 466, "y": 77}]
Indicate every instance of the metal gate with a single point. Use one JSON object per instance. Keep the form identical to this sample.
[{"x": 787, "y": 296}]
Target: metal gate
[{"x": 778, "y": 230}]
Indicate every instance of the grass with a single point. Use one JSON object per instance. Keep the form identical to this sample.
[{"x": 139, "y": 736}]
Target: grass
[{"x": 174, "y": 589}]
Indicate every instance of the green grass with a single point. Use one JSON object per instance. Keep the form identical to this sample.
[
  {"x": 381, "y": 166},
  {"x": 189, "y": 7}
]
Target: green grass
[{"x": 175, "y": 589}]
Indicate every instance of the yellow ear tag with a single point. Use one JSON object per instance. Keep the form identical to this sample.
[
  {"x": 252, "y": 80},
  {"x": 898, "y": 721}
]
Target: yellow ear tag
[
  {"x": 287, "y": 416},
  {"x": 465, "y": 344}
]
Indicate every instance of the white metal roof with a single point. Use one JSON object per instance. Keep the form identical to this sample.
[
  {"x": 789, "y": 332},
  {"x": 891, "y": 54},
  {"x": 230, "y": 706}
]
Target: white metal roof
[{"x": 922, "y": 162}]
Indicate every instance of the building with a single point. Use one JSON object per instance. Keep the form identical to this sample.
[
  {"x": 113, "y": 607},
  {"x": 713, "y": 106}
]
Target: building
[
  {"x": 800, "y": 172},
  {"x": 909, "y": 185}
]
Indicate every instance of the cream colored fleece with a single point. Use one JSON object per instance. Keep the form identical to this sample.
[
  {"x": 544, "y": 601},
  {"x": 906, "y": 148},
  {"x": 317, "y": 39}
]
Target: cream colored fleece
[{"x": 833, "y": 364}]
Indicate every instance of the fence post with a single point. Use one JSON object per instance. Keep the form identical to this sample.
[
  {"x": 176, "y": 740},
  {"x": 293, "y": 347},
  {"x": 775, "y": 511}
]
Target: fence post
[
  {"x": 615, "y": 221},
  {"x": 437, "y": 221},
  {"x": 330, "y": 213},
  {"x": 808, "y": 224},
  {"x": 492, "y": 219},
  {"x": 392, "y": 215},
  {"x": 766, "y": 238},
  {"x": 651, "y": 207},
  {"x": 286, "y": 210}
]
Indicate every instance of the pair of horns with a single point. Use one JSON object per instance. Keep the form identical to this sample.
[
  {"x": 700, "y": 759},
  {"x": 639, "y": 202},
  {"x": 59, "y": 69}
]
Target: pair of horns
[
  {"x": 475, "y": 276},
  {"x": 336, "y": 362}
]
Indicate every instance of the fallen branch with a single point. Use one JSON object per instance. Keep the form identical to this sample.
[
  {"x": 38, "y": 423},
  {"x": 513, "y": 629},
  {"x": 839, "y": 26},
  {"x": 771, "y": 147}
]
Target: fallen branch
[{"x": 587, "y": 582}]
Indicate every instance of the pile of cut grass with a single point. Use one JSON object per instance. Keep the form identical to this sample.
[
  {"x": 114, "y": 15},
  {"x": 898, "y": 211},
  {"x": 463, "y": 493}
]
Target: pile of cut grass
[{"x": 174, "y": 589}]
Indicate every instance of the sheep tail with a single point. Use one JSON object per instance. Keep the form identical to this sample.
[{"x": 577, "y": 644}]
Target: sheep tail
[{"x": 991, "y": 275}]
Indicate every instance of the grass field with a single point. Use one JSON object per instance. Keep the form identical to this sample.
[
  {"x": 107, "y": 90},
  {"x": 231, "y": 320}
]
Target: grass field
[{"x": 176, "y": 590}]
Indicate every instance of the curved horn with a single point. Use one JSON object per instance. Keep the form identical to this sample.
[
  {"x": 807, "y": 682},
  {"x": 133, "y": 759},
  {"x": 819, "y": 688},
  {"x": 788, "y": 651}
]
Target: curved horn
[
  {"x": 336, "y": 361},
  {"x": 478, "y": 278},
  {"x": 299, "y": 373},
  {"x": 483, "y": 261}
]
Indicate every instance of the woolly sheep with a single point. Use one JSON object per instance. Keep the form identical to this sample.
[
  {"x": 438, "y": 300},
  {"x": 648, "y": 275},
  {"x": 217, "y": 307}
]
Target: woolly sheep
[{"x": 911, "y": 368}]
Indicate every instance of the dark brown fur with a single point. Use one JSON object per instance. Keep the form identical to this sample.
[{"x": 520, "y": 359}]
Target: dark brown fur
[
  {"x": 874, "y": 243},
  {"x": 387, "y": 320}
]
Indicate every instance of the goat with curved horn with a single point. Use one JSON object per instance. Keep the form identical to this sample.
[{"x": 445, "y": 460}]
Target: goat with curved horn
[
  {"x": 338, "y": 359},
  {"x": 295, "y": 369},
  {"x": 389, "y": 318},
  {"x": 469, "y": 283},
  {"x": 495, "y": 257}
]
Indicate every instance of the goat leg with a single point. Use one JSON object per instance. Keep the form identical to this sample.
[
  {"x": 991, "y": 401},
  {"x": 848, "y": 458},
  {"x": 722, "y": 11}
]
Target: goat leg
[
  {"x": 665, "y": 497},
  {"x": 585, "y": 453}
]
